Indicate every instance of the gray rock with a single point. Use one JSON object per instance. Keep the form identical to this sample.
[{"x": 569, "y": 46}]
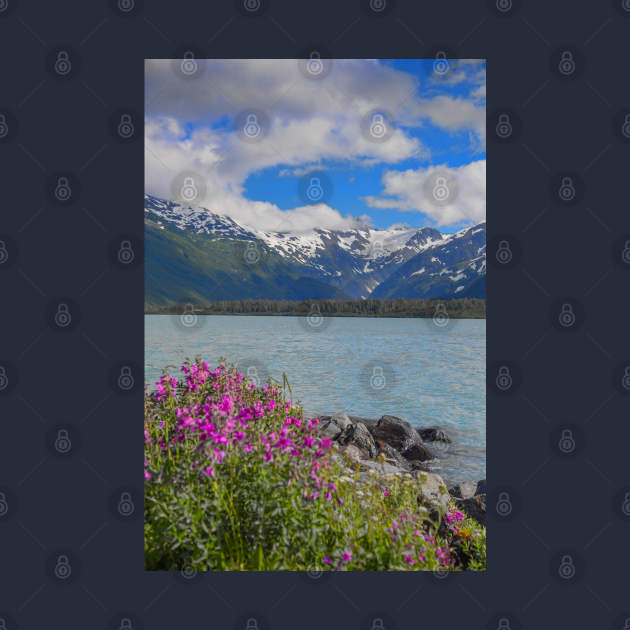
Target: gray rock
[
  {"x": 433, "y": 434},
  {"x": 418, "y": 452},
  {"x": 395, "y": 432},
  {"x": 334, "y": 425},
  {"x": 353, "y": 453},
  {"x": 432, "y": 492},
  {"x": 368, "y": 422},
  {"x": 393, "y": 457},
  {"x": 463, "y": 490},
  {"x": 383, "y": 469},
  {"x": 359, "y": 435},
  {"x": 475, "y": 507}
]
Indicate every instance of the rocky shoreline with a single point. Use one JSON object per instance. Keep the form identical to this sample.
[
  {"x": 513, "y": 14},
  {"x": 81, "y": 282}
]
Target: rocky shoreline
[{"x": 392, "y": 447}]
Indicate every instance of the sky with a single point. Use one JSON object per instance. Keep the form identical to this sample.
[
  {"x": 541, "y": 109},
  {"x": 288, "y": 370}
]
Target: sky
[{"x": 357, "y": 142}]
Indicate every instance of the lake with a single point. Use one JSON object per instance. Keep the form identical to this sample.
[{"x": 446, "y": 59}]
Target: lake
[{"x": 410, "y": 368}]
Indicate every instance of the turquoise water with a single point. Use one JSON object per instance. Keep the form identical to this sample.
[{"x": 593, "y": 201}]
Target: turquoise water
[{"x": 411, "y": 368}]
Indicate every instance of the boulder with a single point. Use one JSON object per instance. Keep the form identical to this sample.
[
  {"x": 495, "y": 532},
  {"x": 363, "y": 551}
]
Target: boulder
[
  {"x": 418, "y": 452},
  {"x": 432, "y": 492},
  {"x": 358, "y": 435},
  {"x": 368, "y": 422},
  {"x": 395, "y": 432},
  {"x": 463, "y": 490},
  {"x": 433, "y": 434},
  {"x": 334, "y": 425},
  {"x": 392, "y": 456},
  {"x": 474, "y": 507},
  {"x": 467, "y": 489},
  {"x": 382, "y": 468},
  {"x": 353, "y": 453}
]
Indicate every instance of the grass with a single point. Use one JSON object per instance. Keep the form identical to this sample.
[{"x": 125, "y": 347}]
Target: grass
[{"x": 237, "y": 479}]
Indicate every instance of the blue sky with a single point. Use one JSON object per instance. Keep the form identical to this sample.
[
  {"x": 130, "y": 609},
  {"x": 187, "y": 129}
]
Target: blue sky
[{"x": 312, "y": 126}]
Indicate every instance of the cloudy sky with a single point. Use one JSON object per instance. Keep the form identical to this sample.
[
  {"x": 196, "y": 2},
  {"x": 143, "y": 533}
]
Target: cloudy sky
[{"x": 284, "y": 146}]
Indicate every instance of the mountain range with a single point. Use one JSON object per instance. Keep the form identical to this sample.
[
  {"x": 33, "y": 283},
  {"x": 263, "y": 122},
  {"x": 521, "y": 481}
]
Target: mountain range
[{"x": 195, "y": 255}]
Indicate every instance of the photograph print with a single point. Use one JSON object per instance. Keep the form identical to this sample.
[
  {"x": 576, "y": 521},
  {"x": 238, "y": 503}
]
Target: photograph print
[{"x": 315, "y": 314}]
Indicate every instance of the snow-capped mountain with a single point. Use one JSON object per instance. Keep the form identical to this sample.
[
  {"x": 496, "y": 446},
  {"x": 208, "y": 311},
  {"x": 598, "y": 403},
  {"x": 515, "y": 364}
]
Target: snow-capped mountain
[{"x": 400, "y": 261}]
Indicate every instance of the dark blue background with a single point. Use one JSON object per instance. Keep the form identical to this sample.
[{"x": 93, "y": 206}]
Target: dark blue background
[{"x": 563, "y": 378}]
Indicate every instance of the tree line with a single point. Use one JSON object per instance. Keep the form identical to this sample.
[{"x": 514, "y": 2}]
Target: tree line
[{"x": 399, "y": 307}]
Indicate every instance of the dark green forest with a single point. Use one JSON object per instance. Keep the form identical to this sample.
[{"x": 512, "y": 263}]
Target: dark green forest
[{"x": 401, "y": 307}]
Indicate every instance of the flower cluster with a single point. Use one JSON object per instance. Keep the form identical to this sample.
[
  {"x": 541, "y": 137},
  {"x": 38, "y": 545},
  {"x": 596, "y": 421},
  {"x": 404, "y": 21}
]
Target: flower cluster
[{"x": 238, "y": 479}]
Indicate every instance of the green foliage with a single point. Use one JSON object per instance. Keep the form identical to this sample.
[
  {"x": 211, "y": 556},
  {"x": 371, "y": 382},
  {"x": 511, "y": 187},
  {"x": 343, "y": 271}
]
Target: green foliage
[{"x": 401, "y": 307}]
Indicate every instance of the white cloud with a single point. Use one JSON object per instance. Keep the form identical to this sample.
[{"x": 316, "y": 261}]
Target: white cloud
[
  {"x": 408, "y": 191},
  {"x": 188, "y": 128}
]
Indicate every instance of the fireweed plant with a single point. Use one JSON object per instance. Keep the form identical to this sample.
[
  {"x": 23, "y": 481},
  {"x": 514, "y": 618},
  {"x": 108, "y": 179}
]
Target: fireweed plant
[{"x": 237, "y": 479}]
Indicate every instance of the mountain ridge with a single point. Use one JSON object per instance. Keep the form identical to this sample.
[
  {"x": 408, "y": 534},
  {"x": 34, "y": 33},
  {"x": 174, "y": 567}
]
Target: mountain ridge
[{"x": 236, "y": 260}]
